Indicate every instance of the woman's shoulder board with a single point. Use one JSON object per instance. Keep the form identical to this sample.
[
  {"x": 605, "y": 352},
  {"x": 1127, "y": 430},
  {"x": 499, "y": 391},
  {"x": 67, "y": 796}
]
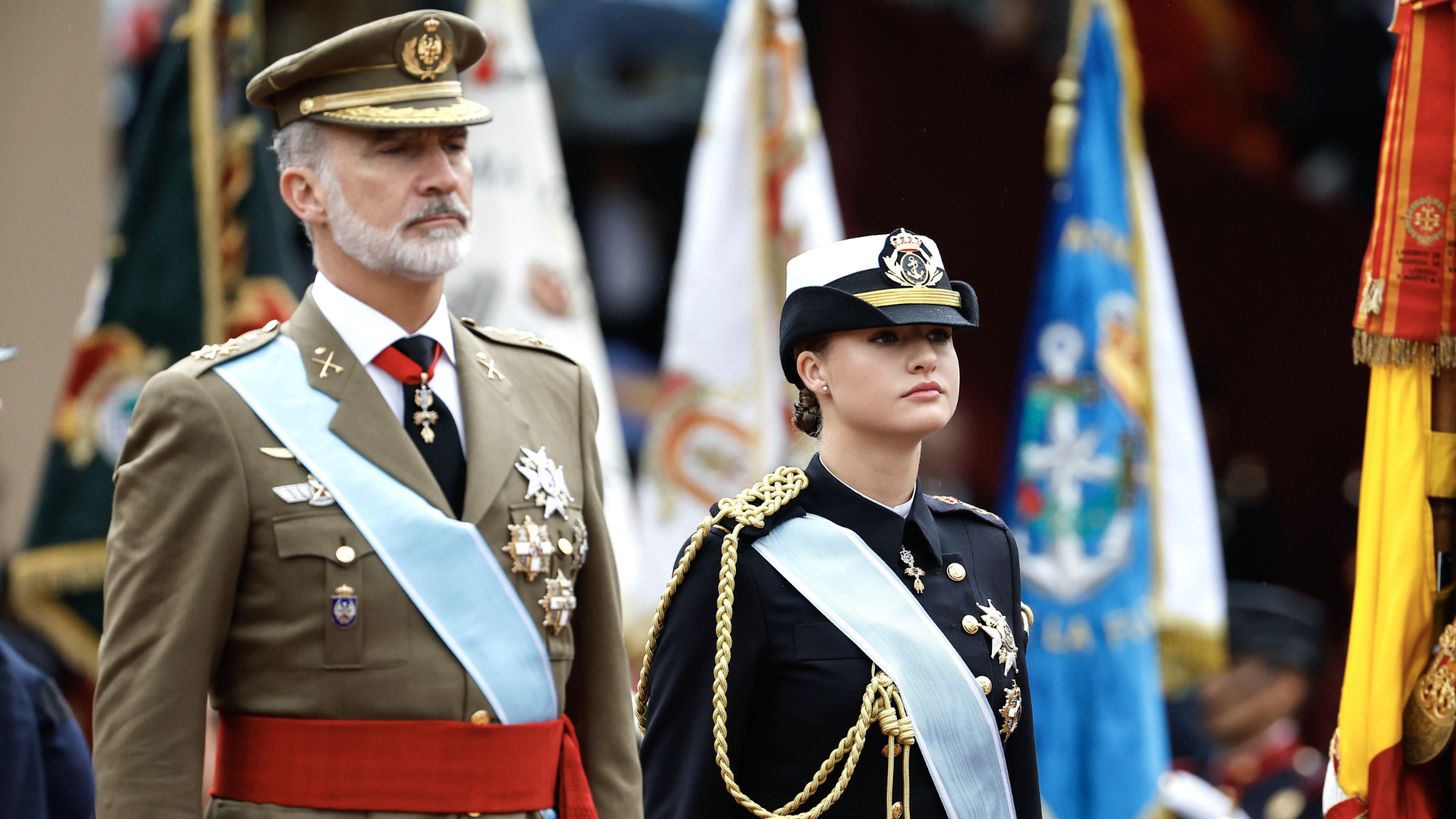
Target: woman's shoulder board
[{"x": 947, "y": 503}]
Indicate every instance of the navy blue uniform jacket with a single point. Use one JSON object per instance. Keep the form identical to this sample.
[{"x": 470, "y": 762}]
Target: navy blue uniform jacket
[
  {"x": 795, "y": 681},
  {"x": 45, "y": 767}
]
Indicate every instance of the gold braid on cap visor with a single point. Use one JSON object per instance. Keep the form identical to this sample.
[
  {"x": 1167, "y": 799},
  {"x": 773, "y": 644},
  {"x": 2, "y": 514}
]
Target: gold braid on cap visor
[
  {"x": 376, "y": 96},
  {"x": 911, "y": 295}
]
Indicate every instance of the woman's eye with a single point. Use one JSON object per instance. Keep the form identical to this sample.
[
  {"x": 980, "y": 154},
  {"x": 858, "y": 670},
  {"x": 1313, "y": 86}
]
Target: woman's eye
[
  {"x": 883, "y": 338},
  {"x": 939, "y": 336}
]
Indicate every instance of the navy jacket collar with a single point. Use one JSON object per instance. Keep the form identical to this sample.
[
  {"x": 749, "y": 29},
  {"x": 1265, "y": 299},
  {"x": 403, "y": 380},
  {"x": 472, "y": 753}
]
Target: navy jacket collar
[{"x": 880, "y": 527}]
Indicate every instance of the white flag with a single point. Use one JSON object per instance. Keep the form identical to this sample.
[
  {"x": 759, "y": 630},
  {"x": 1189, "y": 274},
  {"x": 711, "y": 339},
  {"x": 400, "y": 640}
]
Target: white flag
[
  {"x": 527, "y": 269},
  {"x": 1192, "y": 605},
  {"x": 760, "y": 190}
]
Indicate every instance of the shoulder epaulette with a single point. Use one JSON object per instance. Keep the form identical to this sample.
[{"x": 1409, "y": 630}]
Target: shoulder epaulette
[
  {"x": 948, "y": 503},
  {"x": 513, "y": 337},
  {"x": 209, "y": 355}
]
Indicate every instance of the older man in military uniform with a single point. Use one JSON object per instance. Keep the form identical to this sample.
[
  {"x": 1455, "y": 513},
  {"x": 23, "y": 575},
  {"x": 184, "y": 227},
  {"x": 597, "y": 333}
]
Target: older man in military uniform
[{"x": 374, "y": 534}]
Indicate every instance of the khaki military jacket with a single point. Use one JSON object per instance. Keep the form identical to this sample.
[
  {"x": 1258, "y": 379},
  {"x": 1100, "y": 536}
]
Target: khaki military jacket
[{"x": 217, "y": 586}]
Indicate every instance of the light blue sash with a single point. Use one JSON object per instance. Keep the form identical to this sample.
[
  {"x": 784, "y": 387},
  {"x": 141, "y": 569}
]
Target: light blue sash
[
  {"x": 954, "y": 728},
  {"x": 444, "y": 565}
]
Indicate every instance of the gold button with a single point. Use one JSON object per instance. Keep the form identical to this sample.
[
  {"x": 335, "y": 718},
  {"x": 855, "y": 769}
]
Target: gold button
[
  {"x": 969, "y": 624},
  {"x": 345, "y": 554},
  {"x": 481, "y": 717},
  {"x": 897, "y": 810},
  {"x": 564, "y": 546},
  {"x": 956, "y": 572},
  {"x": 985, "y": 684},
  {"x": 473, "y": 813},
  {"x": 305, "y": 106}
]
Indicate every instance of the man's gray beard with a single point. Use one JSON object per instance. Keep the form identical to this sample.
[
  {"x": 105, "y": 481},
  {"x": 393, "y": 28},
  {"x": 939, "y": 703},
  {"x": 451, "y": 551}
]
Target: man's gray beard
[{"x": 421, "y": 259}]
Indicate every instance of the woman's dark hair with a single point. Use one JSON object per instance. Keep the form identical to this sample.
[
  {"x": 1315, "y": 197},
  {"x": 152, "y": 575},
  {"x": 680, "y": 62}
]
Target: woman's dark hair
[{"x": 807, "y": 417}]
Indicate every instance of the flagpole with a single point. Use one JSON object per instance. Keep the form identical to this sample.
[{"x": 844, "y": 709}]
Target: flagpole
[{"x": 201, "y": 23}]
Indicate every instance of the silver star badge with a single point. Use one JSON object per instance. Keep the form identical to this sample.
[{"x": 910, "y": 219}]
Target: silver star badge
[
  {"x": 1003, "y": 642},
  {"x": 546, "y": 482}
]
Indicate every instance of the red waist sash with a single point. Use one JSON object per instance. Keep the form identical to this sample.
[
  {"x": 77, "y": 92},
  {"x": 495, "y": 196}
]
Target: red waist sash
[{"x": 419, "y": 766}]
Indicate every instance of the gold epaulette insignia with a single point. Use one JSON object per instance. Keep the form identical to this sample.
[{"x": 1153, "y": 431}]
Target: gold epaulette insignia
[
  {"x": 988, "y": 515},
  {"x": 212, "y": 352},
  {"x": 522, "y": 337}
]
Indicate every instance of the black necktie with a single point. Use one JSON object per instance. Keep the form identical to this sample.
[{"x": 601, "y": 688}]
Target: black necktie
[{"x": 444, "y": 454}]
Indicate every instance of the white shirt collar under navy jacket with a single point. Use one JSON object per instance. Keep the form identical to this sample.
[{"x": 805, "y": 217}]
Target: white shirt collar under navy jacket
[{"x": 366, "y": 332}]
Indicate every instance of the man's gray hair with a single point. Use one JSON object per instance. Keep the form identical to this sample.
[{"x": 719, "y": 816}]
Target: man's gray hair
[{"x": 300, "y": 144}]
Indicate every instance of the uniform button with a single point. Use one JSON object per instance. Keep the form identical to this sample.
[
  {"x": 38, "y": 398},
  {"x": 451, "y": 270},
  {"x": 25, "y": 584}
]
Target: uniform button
[
  {"x": 564, "y": 546},
  {"x": 897, "y": 810},
  {"x": 473, "y": 813},
  {"x": 481, "y": 717},
  {"x": 345, "y": 554},
  {"x": 956, "y": 572},
  {"x": 969, "y": 624},
  {"x": 985, "y": 684}
]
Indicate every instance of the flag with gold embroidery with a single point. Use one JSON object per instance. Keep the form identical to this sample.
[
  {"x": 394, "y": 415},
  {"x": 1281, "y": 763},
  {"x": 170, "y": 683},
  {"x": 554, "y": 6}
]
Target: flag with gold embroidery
[
  {"x": 1388, "y": 730},
  {"x": 202, "y": 251}
]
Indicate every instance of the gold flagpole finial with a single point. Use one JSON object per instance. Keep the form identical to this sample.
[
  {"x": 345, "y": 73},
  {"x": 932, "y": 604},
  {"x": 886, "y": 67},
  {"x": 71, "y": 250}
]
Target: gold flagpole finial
[{"x": 1063, "y": 119}]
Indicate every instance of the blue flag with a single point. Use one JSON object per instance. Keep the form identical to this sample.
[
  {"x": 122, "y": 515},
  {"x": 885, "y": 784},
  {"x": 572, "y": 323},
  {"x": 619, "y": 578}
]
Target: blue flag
[{"x": 1079, "y": 498}]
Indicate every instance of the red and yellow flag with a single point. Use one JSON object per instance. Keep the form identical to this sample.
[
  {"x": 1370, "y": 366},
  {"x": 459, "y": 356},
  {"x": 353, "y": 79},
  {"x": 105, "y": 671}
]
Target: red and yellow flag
[{"x": 1403, "y": 330}]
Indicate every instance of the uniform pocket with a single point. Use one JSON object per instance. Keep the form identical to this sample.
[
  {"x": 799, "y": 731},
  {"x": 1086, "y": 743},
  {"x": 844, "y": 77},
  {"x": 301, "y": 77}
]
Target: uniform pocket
[
  {"x": 823, "y": 641},
  {"x": 332, "y": 576}
]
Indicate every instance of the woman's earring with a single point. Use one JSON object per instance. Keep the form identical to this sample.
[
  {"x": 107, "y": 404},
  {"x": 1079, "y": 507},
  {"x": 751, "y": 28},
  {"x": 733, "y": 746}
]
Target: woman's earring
[{"x": 826, "y": 388}]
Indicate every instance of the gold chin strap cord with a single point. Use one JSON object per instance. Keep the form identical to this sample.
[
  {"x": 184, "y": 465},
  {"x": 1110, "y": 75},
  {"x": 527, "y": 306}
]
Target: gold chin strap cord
[{"x": 881, "y": 704}]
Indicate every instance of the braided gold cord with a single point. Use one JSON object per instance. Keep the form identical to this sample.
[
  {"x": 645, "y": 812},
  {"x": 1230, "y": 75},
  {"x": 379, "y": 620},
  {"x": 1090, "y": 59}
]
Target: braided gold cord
[{"x": 881, "y": 703}]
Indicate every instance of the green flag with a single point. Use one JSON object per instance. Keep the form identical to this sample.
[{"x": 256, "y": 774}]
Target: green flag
[{"x": 203, "y": 251}]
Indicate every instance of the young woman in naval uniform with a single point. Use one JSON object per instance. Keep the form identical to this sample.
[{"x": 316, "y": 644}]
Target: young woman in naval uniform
[{"x": 833, "y": 641}]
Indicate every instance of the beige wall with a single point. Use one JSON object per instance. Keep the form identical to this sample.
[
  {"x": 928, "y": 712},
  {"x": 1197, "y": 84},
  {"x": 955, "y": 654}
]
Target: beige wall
[{"x": 53, "y": 214}]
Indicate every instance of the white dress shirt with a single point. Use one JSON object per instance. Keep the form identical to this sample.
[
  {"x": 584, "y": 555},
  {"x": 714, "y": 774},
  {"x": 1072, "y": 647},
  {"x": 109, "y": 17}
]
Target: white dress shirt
[{"x": 367, "y": 332}]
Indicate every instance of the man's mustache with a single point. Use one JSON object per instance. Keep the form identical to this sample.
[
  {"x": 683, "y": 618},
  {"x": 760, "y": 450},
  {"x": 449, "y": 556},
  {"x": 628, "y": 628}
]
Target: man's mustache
[{"x": 443, "y": 206}]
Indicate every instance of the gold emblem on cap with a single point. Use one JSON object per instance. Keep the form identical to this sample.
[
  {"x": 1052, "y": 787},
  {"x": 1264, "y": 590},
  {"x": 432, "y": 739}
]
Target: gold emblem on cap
[{"x": 427, "y": 54}]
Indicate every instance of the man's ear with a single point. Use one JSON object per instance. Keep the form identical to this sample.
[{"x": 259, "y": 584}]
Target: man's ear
[{"x": 302, "y": 192}]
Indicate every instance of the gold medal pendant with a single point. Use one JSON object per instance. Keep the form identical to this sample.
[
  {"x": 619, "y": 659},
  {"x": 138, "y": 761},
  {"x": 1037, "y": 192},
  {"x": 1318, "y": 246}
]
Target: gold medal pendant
[
  {"x": 911, "y": 570},
  {"x": 424, "y": 417}
]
